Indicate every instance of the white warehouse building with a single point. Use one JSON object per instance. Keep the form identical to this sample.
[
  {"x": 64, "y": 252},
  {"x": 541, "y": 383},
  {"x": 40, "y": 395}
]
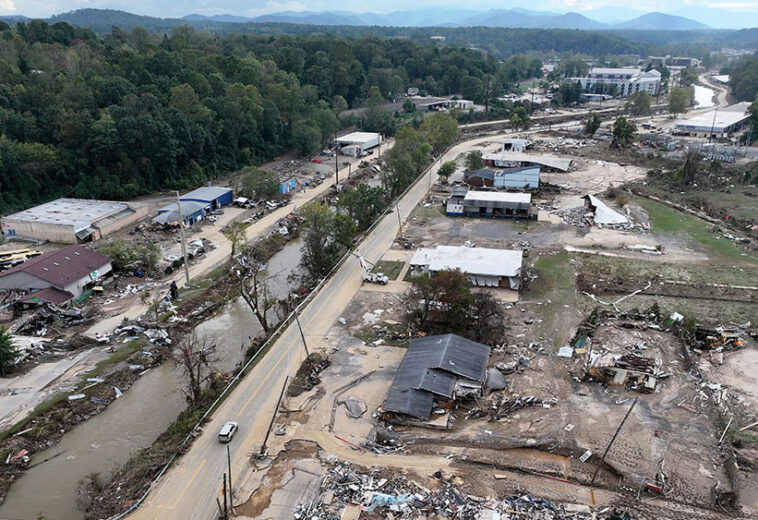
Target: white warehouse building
[{"x": 628, "y": 81}]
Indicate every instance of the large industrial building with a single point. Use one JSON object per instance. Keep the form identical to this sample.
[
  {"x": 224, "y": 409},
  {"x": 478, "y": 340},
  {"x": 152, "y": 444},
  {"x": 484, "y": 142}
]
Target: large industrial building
[
  {"x": 483, "y": 267},
  {"x": 489, "y": 204},
  {"x": 356, "y": 143},
  {"x": 719, "y": 122},
  {"x": 58, "y": 276},
  {"x": 213, "y": 197},
  {"x": 70, "y": 221},
  {"x": 627, "y": 81}
]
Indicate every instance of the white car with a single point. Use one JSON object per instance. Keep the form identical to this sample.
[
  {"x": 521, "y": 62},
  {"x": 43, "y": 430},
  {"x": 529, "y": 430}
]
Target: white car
[{"x": 227, "y": 431}]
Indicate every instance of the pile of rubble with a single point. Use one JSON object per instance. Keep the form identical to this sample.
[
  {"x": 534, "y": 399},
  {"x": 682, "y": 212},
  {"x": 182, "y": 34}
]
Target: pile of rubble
[
  {"x": 502, "y": 406},
  {"x": 48, "y": 319},
  {"x": 371, "y": 493}
]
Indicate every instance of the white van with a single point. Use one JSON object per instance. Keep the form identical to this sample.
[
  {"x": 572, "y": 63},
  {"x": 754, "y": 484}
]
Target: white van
[{"x": 227, "y": 431}]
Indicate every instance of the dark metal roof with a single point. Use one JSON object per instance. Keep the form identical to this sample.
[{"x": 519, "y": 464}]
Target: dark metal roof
[
  {"x": 431, "y": 367},
  {"x": 51, "y": 294},
  {"x": 62, "y": 267},
  {"x": 482, "y": 174}
]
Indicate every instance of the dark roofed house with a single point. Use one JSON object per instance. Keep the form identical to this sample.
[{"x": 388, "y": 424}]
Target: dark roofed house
[
  {"x": 436, "y": 367},
  {"x": 483, "y": 177},
  {"x": 70, "y": 270}
]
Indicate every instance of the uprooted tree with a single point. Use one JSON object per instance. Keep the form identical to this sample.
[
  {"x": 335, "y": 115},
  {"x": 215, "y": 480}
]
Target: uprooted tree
[
  {"x": 327, "y": 234},
  {"x": 255, "y": 291},
  {"x": 444, "y": 302}
]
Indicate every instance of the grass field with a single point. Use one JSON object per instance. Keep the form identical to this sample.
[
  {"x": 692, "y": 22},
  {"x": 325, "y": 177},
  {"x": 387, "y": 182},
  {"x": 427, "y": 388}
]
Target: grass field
[
  {"x": 666, "y": 220},
  {"x": 391, "y": 268}
]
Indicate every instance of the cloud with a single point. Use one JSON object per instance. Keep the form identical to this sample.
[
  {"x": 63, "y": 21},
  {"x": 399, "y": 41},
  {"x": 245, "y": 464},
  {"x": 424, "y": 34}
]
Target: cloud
[
  {"x": 735, "y": 6},
  {"x": 7, "y": 5}
]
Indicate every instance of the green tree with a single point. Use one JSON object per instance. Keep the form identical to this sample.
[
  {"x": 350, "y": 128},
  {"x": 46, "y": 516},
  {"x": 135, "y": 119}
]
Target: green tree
[
  {"x": 446, "y": 170},
  {"x": 519, "y": 118},
  {"x": 307, "y": 137},
  {"x": 236, "y": 233},
  {"x": 327, "y": 234},
  {"x": 439, "y": 303},
  {"x": 474, "y": 161},
  {"x": 363, "y": 203},
  {"x": 690, "y": 166},
  {"x": 408, "y": 106},
  {"x": 623, "y": 132},
  {"x": 440, "y": 130},
  {"x": 680, "y": 100},
  {"x": 9, "y": 353},
  {"x": 254, "y": 183},
  {"x": 638, "y": 104},
  {"x": 592, "y": 124}
]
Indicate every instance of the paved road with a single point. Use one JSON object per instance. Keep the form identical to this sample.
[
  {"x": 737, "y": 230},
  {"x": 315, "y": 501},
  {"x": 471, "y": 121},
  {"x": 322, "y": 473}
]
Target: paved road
[{"x": 189, "y": 489}]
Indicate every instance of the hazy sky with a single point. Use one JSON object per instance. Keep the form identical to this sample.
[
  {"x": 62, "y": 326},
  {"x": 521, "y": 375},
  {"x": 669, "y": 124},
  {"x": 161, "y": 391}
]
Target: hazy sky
[{"x": 599, "y": 9}]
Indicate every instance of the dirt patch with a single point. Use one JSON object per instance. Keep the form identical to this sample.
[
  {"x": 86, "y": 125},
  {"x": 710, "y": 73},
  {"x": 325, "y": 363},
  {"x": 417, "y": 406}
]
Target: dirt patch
[{"x": 284, "y": 462}]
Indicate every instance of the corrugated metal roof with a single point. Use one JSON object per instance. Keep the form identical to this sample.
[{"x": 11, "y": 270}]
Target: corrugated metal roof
[
  {"x": 206, "y": 193},
  {"x": 604, "y": 214},
  {"x": 470, "y": 260},
  {"x": 431, "y": 366},
  {"x": 62, "y": 267}
]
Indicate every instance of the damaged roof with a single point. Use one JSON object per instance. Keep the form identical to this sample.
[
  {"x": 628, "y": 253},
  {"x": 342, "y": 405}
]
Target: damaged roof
[
  {"x": 604, "y": 214},
  {"x": 63, "y": 267},
  {"x": 431, "y": 366}
]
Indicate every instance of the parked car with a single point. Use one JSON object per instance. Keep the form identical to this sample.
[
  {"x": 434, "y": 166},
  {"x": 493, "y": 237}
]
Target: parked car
[{"x": 227, "y": 431}]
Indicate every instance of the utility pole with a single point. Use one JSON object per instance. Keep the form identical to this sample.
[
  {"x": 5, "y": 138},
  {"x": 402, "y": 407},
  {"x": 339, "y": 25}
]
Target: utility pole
[
  {"x": 302, "y": 336},
  {"x": 336, "y": 161},
  {"x": 262, "y": 452},
  {"x": 184, "y": 245},
  {"x": 225, "y": 514},
  {"x": 229, "y": 470},
  {"x": 602, "y": 459},
  {"x": 713, "y": 124},
  {"x": 399, "y": 222}
]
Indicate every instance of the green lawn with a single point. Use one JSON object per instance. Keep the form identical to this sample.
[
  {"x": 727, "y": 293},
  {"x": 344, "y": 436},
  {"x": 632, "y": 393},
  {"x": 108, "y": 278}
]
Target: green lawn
[
  {"x": 391, "y": 268},
  {"x": 668, "y": 220},
  {"x": 555, "y": 288}
]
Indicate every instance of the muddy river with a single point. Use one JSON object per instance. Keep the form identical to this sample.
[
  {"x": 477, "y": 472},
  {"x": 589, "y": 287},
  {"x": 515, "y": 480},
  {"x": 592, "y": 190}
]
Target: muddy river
[{"x": 136, "y": 419}]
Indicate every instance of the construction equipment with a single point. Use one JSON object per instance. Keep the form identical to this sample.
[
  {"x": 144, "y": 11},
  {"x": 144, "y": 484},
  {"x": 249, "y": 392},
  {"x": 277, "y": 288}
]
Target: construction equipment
[{"x": 368, "y": 276}]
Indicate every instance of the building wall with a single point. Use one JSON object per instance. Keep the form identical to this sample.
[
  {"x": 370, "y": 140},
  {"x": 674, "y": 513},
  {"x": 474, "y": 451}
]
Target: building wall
[
  {"x": 60, "y": 233},
  {"x": 78, "y": 287},
  {"x": 22, "y": 281},
  {"x": 139, "y": 212}
]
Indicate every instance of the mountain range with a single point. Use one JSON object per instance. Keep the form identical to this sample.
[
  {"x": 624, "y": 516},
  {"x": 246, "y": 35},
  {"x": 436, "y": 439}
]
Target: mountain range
[
  {"x": 442, "y": 17},
  {"x": 427, "y": 17}
]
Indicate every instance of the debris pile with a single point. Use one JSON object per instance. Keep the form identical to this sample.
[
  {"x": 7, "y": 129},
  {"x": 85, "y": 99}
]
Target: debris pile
[
  {"x": 371, "y": 493},
  {"x": 307, "y": 375},
  {"x": 49, "y": 319},
  {"x": 500, "y": 407}
]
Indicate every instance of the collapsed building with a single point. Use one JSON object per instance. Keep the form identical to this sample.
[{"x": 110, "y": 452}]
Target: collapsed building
[
  {"x": 490, "y": 204},
  {"x": 602, "y": 214},
  {"x": 483, "y": 267},
  {"x": 437, "y": 368},
  {"x": 508, "y": 159},
  {"x": 526, "y": 177}
]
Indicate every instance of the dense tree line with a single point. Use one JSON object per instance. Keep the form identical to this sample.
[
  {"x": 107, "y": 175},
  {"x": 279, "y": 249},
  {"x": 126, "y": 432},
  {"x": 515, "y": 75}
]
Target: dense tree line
[
  {"x": 743, "y": 78},
  {"x": 122, "y": 114}
]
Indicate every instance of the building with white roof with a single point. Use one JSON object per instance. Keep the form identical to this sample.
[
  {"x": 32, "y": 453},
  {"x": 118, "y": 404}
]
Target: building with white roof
[
  {"x": 356, "y": 143},
  {"x": 627, "y": 80},
  {"x": 70, "y": 221},
  {"x": 483, "y": 267},
  {"x": 490, "y": 204},
  {"x": 716, "y": 123}
]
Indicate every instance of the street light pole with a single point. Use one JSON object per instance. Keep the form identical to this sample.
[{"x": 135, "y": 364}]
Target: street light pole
[
  {"x": 184, "y": 245},
  {"x": 302, "y": 336}
]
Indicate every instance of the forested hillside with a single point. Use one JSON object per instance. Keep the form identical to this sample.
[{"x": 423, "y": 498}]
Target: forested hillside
[{"x": 126, "y": 113}]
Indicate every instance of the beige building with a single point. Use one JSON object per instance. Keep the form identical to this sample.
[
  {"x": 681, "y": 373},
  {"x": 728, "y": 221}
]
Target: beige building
[{"x": 71, "y": 221}]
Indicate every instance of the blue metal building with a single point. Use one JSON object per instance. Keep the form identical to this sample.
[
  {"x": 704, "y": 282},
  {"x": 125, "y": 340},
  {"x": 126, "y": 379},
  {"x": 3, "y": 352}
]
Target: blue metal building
[
  {"x": 287, "y": 186},
  {"x": 214, "y": 197}
]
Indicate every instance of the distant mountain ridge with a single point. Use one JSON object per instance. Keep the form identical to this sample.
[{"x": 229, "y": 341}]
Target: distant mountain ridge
[
  {"x": 102, "y": 20},
  {"x": 513, "y": 18}
]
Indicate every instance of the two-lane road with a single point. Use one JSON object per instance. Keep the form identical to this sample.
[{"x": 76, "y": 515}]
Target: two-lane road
[{"x": 189, "y": 489}]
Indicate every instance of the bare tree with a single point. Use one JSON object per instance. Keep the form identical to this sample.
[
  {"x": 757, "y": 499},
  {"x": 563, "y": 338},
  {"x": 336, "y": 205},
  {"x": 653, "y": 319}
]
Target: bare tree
[
  {"x": 195, "y": 356},
  {"x": 255, "y": 292}
]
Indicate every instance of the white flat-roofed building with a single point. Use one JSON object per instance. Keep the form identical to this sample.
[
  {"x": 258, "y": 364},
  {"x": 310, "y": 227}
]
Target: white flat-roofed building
[
  {"x": 715, "y": 123},
  {"x": 356, "y": 143},
  {"x": 627, "y": 80},
  {"x": 483, "y": 267},
  {"x": 70, "y": 221}
]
